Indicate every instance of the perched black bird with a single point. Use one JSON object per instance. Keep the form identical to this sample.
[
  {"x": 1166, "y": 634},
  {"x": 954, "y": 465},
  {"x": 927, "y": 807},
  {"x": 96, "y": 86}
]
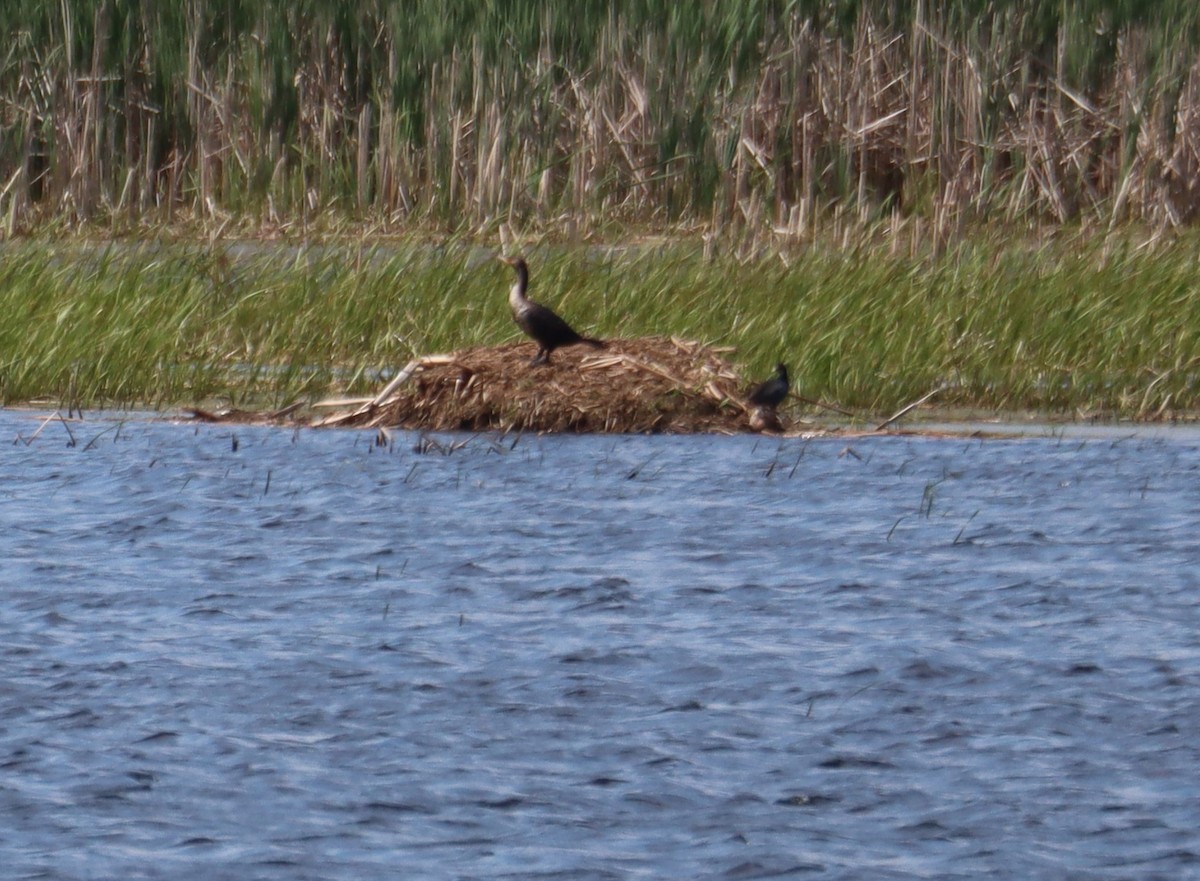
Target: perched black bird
[
  {"x": 548, "y": 330},
  {"x": 771, "y": 393}
]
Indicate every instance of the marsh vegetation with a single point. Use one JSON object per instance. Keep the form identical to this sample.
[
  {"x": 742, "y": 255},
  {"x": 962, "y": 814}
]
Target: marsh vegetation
[
  {"x": 591, "y": 116},
  {"x": 891, "y": 197},
  {"x": 1072, "y": 325}
]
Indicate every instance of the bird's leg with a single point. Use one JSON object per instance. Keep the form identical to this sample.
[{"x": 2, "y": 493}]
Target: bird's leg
[{"x": 542, "y": 357}]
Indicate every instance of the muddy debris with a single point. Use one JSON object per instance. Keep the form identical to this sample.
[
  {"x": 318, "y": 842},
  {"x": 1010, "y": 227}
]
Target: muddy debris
[{"x": 291, "y": 414}]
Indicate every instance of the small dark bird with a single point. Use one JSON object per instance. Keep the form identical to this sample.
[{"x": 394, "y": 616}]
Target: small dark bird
[
  {"x": 548, "y": 330},
  {"x": 771, "y": 393}
]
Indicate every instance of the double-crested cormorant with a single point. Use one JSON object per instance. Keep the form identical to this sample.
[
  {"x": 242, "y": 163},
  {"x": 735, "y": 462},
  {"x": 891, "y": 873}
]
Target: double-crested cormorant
[
  {"x": 772, "y": 392},
  {"x": 548, "y": 330}
]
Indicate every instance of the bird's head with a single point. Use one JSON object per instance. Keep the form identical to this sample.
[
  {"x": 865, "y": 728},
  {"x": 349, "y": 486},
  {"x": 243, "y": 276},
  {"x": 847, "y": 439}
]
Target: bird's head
[
  {"x": 517, "y": 263},
  {"x": 522, "y": 282}
]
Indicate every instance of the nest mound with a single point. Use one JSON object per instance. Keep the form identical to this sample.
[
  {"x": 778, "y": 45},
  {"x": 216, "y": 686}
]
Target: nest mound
[{"x": 646, "y": 385}]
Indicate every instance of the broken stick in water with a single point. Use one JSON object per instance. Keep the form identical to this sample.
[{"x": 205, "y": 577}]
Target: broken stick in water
[{"x": 917, "y": 403}]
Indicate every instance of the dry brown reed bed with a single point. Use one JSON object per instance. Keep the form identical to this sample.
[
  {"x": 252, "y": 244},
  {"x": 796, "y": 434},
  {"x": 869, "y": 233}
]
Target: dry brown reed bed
[
  {"x": 646, "y": 385},
  {"x": 650, "y": 385},
  {"x": 950, "y": 116}
]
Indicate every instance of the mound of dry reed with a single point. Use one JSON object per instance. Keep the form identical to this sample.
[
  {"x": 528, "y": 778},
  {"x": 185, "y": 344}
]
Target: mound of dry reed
[{"x": 646, "y": 385}]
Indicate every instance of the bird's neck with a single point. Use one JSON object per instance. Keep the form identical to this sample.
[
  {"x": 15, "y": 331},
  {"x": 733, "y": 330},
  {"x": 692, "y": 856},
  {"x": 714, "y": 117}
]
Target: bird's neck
[{"x": 516, "y": 294}]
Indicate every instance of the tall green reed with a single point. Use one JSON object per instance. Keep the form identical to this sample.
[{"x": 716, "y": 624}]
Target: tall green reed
[{"x": 782, "y": 117}]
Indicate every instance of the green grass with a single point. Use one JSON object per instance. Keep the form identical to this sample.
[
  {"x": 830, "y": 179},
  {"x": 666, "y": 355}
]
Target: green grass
[{"x": 1068, "y": 326}]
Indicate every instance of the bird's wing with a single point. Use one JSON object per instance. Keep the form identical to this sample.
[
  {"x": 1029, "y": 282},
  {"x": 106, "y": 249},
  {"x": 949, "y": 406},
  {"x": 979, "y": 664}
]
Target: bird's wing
[{"x": 551, "y": 324}]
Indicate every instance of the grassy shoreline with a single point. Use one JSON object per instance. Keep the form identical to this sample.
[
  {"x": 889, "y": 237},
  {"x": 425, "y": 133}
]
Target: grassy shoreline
[
  {"x": 1070, "y": 325},
  {"x": 889, "y": 197}
]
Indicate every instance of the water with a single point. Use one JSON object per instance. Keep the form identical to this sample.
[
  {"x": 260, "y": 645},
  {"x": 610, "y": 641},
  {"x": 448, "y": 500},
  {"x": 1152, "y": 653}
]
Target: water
[{"x": 596, "y": 658}]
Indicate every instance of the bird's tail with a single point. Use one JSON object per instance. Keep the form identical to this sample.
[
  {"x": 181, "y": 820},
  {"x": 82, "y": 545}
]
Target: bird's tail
[{"x": 594, "y": 343}]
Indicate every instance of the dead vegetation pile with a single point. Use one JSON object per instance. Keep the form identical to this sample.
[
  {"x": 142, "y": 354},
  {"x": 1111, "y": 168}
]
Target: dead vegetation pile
[{"x": 645, "y": 385}]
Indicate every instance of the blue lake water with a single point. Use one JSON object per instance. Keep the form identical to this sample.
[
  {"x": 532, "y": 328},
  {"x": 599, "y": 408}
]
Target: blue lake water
[{"x": 253, "y": 653}]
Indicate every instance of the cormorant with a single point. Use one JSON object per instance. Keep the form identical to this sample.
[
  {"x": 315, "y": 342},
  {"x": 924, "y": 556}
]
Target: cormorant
[
  {"x": 548, "y": 330},
  {"x": 772, "y": 392}
]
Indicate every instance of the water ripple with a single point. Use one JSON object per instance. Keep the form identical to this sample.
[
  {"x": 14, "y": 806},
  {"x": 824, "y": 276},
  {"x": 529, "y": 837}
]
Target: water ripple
[{"x": 311, "y": 657}]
